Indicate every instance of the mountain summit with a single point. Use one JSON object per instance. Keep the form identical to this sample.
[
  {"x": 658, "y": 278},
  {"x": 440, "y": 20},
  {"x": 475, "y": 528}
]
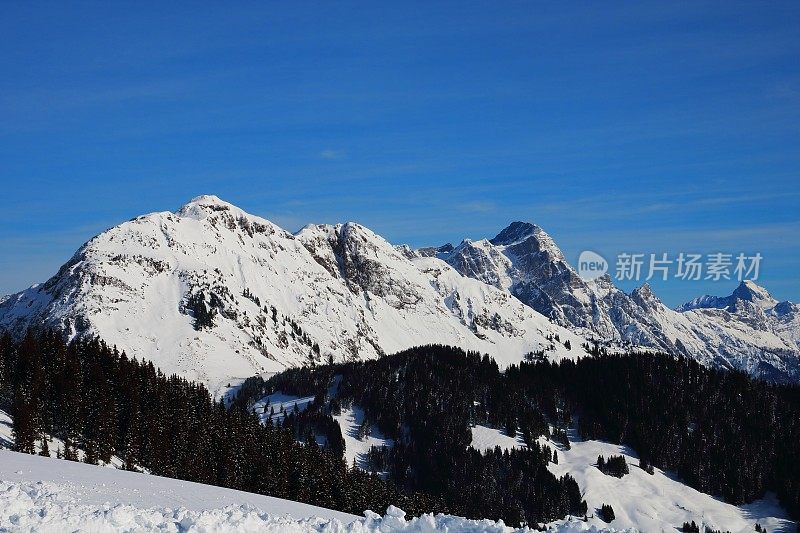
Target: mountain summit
[{"x": 747, "y": 291}]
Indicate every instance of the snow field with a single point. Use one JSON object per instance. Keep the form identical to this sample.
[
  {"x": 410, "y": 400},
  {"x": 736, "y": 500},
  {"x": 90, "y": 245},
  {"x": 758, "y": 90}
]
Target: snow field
[{"x": 658, "y": 502}]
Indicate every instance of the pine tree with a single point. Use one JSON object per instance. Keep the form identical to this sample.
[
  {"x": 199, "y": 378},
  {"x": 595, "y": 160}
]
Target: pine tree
[
  {"x": 363, "y": 429},
  {"x": 607, "y": 513},
  {"x": 45, "y": 447}
]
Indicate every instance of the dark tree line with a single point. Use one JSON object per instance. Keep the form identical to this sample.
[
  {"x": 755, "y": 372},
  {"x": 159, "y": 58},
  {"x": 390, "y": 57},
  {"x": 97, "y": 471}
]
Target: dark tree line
[{"x": 99, "y": 401}]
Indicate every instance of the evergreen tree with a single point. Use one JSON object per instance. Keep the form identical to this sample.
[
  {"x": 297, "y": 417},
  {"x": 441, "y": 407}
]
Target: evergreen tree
[{"x": 606, "y": 513}]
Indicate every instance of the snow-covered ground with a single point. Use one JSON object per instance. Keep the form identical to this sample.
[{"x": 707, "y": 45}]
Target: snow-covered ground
[
  {"x": 50, "y": 495},
  {"x": 356, "y": 449},
  {"x": 486, "y": 438},
  {"x": 275, "y": 406},
  {"x": 93, "y": 485},
  {"x": 658, "y": 502}
]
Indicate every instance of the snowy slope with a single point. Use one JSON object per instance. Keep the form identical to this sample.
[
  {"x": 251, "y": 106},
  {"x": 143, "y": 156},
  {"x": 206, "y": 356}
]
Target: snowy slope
[
  {"x": 658, "y": 502},
  {"x": 356, "y": 449},
  {"x": 50, "y": 495},
  {"x": 96, "y": 485},
  {"x": 275, "y": 406},
  {"x": 338, "y": 292},
  {"x": 748, "y": 330}
]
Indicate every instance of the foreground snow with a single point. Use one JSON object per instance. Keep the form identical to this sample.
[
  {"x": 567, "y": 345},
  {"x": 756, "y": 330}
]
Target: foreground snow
[
  {"x": 658, "y": 502},
  {"x": 41, "y": 494},
  {"x": 97, "y": 486}
]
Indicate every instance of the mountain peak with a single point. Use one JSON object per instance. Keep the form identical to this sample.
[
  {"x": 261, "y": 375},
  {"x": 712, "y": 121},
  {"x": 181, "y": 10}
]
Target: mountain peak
[
  {"x": 515, "y": 232},
  {"x": 200, "y": 206},
  {"x": 749, "y": 291},
  {"x": 535, "y": 238},
  {"x": 645, "y": 295},
  {"x": 208, "y": 199}
]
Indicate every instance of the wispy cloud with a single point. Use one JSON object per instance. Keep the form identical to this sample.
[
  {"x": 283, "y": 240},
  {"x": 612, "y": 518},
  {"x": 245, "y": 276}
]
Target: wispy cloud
[
  {"x": 331, "y": 154},
  {"x": 478, "y": 207}
]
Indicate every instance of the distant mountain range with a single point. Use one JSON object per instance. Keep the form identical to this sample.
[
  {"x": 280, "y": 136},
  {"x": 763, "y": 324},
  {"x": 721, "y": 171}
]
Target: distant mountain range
[
  {"x": 748, "y": 330},
  {"x": 213, "y": 293}
]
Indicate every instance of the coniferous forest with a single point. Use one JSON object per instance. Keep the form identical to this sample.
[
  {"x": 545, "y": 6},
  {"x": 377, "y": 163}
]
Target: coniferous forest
[
  {"x": 99, "y": 401},
  {"x": 722, "y": 432}
]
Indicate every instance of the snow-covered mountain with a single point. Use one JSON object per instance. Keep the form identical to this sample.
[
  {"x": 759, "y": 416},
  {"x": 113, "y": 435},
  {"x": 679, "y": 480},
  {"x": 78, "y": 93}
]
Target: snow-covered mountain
[
  {"x": 213, "y": 293},
  {"x": 748, "y": 330},
  {"x": 747, "y": 291}
]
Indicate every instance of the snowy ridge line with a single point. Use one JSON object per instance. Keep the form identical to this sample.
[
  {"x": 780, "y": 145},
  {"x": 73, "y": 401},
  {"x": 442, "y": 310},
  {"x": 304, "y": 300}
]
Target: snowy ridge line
[{"x": 748, "y": 330}]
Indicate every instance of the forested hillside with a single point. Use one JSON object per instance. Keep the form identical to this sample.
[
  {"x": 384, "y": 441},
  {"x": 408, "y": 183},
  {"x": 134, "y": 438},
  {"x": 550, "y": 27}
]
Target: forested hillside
[
  {"x": 96, "y": 399},
  {"x": 724, "y": 433}
]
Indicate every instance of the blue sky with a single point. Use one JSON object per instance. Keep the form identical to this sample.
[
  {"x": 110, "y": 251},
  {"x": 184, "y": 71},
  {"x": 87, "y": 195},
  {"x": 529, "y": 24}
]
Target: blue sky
[{"x": 619, "y": 127}]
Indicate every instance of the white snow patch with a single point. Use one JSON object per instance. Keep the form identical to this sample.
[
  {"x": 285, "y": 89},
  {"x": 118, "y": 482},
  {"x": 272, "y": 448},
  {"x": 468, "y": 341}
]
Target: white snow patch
[
  {"x": 486, "y": 438},
  {"x": 277, "y": 405},
  {"x": 356, "y": 449},
  {"x": 658, "y": 502}
]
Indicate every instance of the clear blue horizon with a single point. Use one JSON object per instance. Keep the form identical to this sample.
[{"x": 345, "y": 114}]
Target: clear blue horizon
[{"x": 641, "y": 128}]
